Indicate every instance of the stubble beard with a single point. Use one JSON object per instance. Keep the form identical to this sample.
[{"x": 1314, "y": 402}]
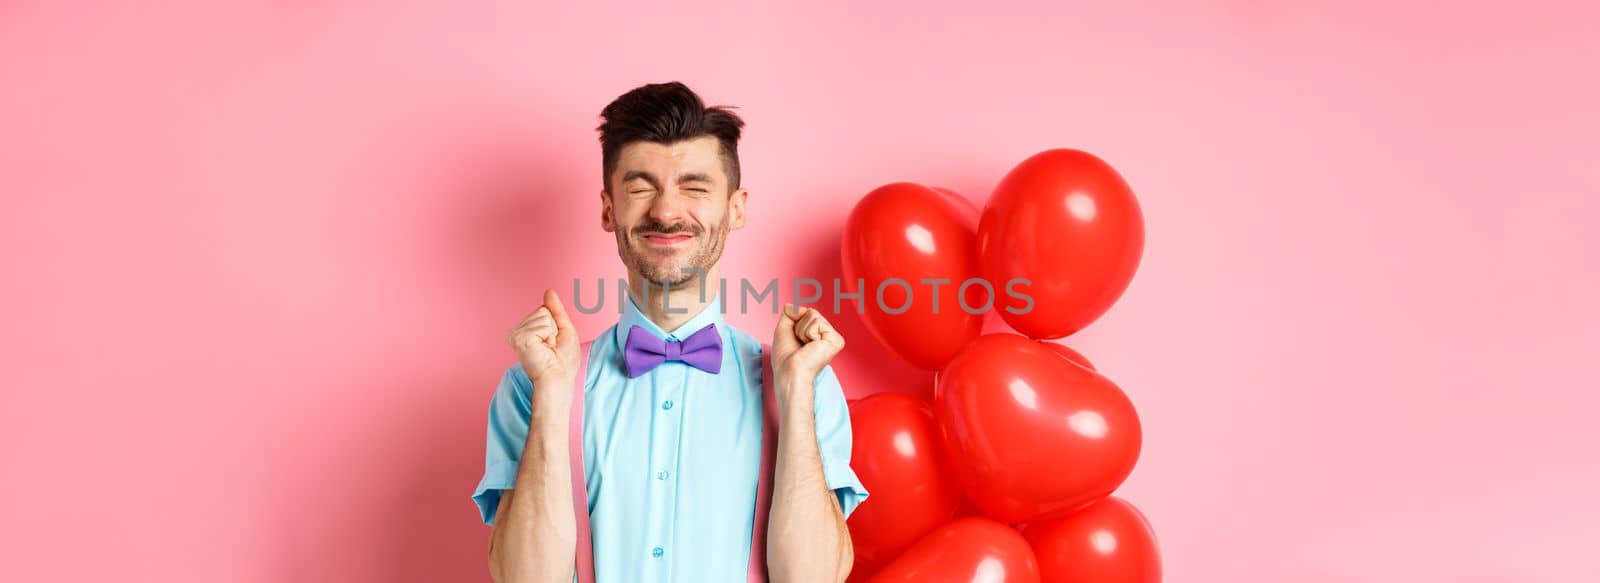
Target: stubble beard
[{"x": 671, "y": 273}]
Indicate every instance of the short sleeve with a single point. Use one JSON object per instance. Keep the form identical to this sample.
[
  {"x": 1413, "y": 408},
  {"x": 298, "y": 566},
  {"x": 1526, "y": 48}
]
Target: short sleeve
[
  {"x": 834, "y": 440},
  {"x": 509, "y": 412}
]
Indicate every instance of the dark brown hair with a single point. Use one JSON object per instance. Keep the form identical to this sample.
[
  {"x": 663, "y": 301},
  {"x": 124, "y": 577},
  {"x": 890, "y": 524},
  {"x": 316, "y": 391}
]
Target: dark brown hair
[{"x": 667, "y": 113}]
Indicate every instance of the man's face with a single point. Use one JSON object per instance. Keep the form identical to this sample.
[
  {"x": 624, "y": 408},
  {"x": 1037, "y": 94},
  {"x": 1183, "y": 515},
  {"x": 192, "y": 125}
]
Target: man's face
[{"x": 671, "y": 209}]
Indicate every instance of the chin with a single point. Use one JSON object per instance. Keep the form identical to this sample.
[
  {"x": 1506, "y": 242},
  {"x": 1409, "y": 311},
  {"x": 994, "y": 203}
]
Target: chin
[{"x": 659, "y": 275}]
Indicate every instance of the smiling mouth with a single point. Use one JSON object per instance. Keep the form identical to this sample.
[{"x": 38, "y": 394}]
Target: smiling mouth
[{"x": 667, "y": 240}]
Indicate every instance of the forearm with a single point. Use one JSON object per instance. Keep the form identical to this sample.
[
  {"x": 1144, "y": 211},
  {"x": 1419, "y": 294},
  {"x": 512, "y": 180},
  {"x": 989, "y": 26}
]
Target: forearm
[
  {"x": 807, "y": 539},
  {"x": 535, "y": 537}
]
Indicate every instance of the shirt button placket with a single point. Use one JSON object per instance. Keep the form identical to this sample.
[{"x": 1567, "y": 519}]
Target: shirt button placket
[{"x": 664, "y": 448}]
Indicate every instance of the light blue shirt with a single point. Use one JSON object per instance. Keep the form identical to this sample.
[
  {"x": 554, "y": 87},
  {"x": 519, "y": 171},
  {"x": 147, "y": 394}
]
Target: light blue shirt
[{"x": 672, "y": 456}]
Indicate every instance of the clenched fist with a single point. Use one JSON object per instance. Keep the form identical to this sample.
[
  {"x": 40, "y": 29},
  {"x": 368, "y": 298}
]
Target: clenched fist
[
  {"x": 547, "y": 345},
  {"x": 803, "y": 343}
]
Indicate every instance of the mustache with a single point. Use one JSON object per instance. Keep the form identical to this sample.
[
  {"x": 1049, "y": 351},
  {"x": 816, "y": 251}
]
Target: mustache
[{"x": 665, "y": 229}]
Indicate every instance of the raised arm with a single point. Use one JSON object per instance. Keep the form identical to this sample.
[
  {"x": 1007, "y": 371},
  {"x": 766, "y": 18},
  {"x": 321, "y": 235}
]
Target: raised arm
[
  {"x": 533, "y": 538},
  {"x": 807, "y": 539}
]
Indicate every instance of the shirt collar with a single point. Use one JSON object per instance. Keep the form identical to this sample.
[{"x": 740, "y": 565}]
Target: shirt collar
[{"x": 633, "y": 316}]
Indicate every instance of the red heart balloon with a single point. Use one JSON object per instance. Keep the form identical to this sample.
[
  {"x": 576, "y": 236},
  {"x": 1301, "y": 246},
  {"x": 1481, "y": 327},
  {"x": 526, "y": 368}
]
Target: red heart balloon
[
  {"x": 967, "y": 550},
  {"x": 967, "y": 508},
  {"x": 1030, "y": 435},
  {"x": 895, "y": 452},
  {"x": 1071, "y": 355},
  {"x": 1065, "y": 221},
  {"x": 1105, "y": 542},
  {"x": 911, "y": 232}
]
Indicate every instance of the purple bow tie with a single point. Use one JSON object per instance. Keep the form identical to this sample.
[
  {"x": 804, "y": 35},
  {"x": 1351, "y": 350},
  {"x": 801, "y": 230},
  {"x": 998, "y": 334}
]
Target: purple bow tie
[{"x": 702, "y": 350}]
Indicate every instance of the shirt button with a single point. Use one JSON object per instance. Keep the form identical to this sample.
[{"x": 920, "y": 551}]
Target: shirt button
[
  {"x": 657, "y": 552},
  {"x": 666, "y": 405},
  {"x": 661, "y": 475}
]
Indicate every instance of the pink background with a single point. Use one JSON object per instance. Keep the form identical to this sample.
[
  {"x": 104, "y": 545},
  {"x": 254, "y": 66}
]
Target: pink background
[{"x": 259, "y": 260}]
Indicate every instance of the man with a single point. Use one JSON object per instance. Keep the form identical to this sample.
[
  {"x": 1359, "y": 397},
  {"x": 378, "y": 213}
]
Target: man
[{"x": 671, "y": 446}]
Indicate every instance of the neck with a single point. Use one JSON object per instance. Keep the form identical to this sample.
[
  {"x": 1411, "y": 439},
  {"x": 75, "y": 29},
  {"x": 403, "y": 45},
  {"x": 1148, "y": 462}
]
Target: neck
[{"x": 670, "y": 308}]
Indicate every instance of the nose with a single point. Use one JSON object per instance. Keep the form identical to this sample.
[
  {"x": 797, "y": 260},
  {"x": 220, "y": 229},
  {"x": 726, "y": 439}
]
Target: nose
[{"x": 666, "y": 209}]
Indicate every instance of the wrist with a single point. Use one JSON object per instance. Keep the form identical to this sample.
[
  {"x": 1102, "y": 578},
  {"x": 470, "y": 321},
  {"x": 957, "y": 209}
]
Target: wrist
[
  {"x": 795, "y": 392},
  {"x": 795, "y": 379},
  {"x": 559, "y": 386}
]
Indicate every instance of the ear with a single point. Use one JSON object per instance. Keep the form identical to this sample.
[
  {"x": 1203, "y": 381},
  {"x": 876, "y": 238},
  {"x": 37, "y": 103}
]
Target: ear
[
  {"x": 736, "y": 208},
  {"x": 605, "y": 212}
]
